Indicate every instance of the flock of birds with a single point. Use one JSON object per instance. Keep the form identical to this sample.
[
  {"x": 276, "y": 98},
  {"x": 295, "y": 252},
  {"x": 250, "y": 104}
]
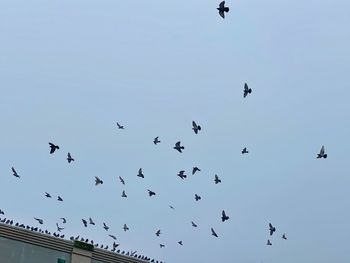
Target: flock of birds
[{"x": 98, "y": 181}]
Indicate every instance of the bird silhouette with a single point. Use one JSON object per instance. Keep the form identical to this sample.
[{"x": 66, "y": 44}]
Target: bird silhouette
[
  {"x": 120, "y": 126},
  {"x": 195, "y": 169},
  {"x": 140, "y": 174},
  {"x": 269, "y": 243},
  {"x": 272, "y": 229},
  {"x": 150, "y": 193},
  {"x": 114, "y": 237},
  {"x": 284, "y": 236},
  {"x": 156, "y": 140},
  {"x": 15, "y": 174},
  {"x": 213, "y": 232},
  {"x": 125, "y": 228},
  {"x": 246, "y": 90},
  {"x": 222, "y": 9},
  {"x": 180, "y": 243},
  {"x": 182, "y": 175},
  {"x": 178, "y": 147},
  {"x": 47, "y": 195},
  {"x": 195, "y": 127},
  {"x": 244, "y": 150},
  {"x": 171, "y": 207},
  {"x": 84, "y": 222},
  {"x": 121, "y": 180},
  {"x": 59, "y": 199},
  {"x": 161, "y": 245},
  {"x": 224, "y": 217},
  {"x": 216, "y": 179},
  {"x": 194, "y": 224},
  {"x": 197, "y": 197},
  {"x": 322, "y": 153},
  {"x": 91, "y": 222},
  {"x": 53, "y": 147},
  {"x": 158, "y": 233},
  {"x": 59, "y": 229},
  {"x": 124, "y": 194},
  {"x": 98, "y": 181},
  {"x": 69, "y": 158},
  {"x": 63, "y": 220},
  {"x": 2, "y": 212},
  {"x": 105, "y": 226},
  {"x": 40, "y": 221}
]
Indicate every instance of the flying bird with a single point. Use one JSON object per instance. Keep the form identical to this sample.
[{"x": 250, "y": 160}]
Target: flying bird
[
  {"x": 140, "y": 174},
  {"x": 195, "y": 169},
  {"x": 69, "y": 158},
  {"x": 224, "y": 217},
  {"x": 272, "y": 229},
  {"x": 180, "y": 243},
  {"x": 156, "y": 140},
  {"x": 98, "y": 181},
  {"x": 194, "y": 224},
  {"x": 171, "y": 207},
  {"x": 178, "y": 147},
  {"x": 105, "y": 226},
  {"x": 47, "y": 195},
  {"x": 322, "y": 154},
  {"x": 222, "y": 9},
  {"x": 158, "y": 233},
  {"x": 59, "y": 199},
  {"x": 84, "y": 222},
  {"x": 150, "y": 193},
  {"x": 246, "y": 90},
  {"x": 15, "y": 174},
  {"x": 161, "y": 245},
  {"x": 213, "y": 233},
  {"x": 59, "y": 229},
  {"x": 244, "y": 150},
  {"x": 269, "y": 243},
  {"x": 217, "y": 180},
  {"x": 197, "y": 197},
  {"x": 63, "y": 220},
  {"x": 120, "y": 126},
  {"x": 182, "y": 175},
  {"x": 91, "y": 222},
  {"x": 2, "y": 212},
  {"x": 40, "y": 221},
  {"x": 125, "y": 227},
  {"x": 195, "y": 127},
  {"x": 284, "y": 236},
  {"x": 114, "y": 237},
  {"x": 121, "y": 180},
  {"x": 124, "y": 194},
  {"x": 53, "y": 147}
]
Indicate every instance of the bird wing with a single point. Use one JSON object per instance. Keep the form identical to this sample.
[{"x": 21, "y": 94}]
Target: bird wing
[
  {"x": 69, "y": 156},
  {"x": 222, "y": 14},
  {"x": 322, "y": 150},
  {"x": 194, "y": 124},
  {"x": 223, "y": 213},
  {"x": 213, "y": 232},
  {"x": 13, "y": 170},
  {"x": 222, "y": 4},
  {"x": 177, "y": 144}
]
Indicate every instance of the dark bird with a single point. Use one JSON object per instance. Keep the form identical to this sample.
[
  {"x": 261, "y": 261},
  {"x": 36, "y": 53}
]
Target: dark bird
[
  {"x": 156, "y": 140},
  {"x": 125, "y": 227},
  {"x": 171, "y": 207},
  {"x": 2, "y": 212},
  {"x": 217, "y": 180},
  {"x": 150, "y": 193},
  {"x": 180, "y": 243},
  {"x": 158, "y": 233},
  {"x": 182, "y": 175},
  {"x": 222, "y": 9},
  {"x": 322, "y": 154},
  {"x": 140, "y": 174},
  {"x": 194, "y": 224},
  {"x": 40, "y": 221},
  {"x": 178, "y": 147},
  {"x": 244, "y": 150},
  {"x": 121, "y": 180},
  {"x": 15, "y": 174},
  {"x": 246, "y": 90},
  {"x": 53, "y": 147},
  {"x": 59, "y": 199},
  {"x": 161, "y": 245},
  {"x": 63, "y": 220},
  {"x": 272, "y": 229},
  {"x": 197, "y": 197},
  {"x": 47, "y": 195},
  {"x": 114, "y": 237},
  {"x": 120, "y": 126},
  {"x": 213, "y": 233},
  {"x": 69, "y": 158},
  {"x": 195, "y": 127},
  {"x": 91, "y": 222},
  {"x": 195, "y": 169},
  {"x": 284, "y": 236},
  {"x": 59, "y": 229},
  {"x": 105, "y": 226},
  {"x": 224, "y": 217},
  {"x": 98, "y": 181},
  {"x": 84, "y": 222},
  {"x": 124, "y": 194},
  {"x": 269, "y": 243}
]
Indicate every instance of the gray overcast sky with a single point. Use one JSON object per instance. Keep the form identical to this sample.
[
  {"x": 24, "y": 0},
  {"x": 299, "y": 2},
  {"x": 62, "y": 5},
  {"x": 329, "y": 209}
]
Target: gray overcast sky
[{"x": 69, "y": 70}]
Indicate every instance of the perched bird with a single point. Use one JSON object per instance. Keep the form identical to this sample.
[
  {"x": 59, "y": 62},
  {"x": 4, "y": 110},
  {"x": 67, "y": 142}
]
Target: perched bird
[
  {"x": 40, "y": 221},
  {"x": 125, "y": 227},
  {"x": 158, "y": 233},
  {"x": 105, "y": 226},
  {"x": 195, "y": 169},
  {"x": 182, "y": 174},
  {"x": 321, "y": 154},
  {"x": 224, "y": 217},
  {"x": 269, "y": 243},
  {"x": 156, "y": 140},
  {"x": 63, "y": 220},
  {"x": 246, "y": 90},
  {"x": 140, "y": 174},
  {"x": 150, "y": 193},
  {"x": 15, "y": 174},
  {"x": 194, "y": 224},
  {"x": 284, "y": 236},
  {"x": 272, "y": 229},
  {"x": 195, "y": 127},
  {"x": 121, "y": 180},
  {"x": 59, "y": 199},
  {"x": 53, "y": 147},
  {"x": 161, "y": 245},
  {"x": 84, "y": 222},
  {"x": 69, "y": 158},
  {"x": 213, "y": 233},
  {"x": 120, "y": 126},
  {"x": 59, "y": 229},
  {"x": 222, "y": 9},
  {"x": 178, "y": 147},
  {"x": 114, "y": 237},
  {"x": 124, "y": 194},
  {"x": 217, "y": 180},
  {"x": 98, "y": 181},
  {"x": 2, "y": 212},
  {"x": 197, "y": 197},
  {"x": 180, "y": 243},
  {"x": 47, "y": 195},
  {"x": 91, "y": 222},
  {"x": 244, "y": 150}
]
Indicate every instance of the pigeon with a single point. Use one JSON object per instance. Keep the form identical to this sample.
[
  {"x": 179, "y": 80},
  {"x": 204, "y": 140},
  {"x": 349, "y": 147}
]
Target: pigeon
[
  {"x": 213, "y": 233},
  {"x": 171, "y": 207},
  {"x": 158, "y": 233},
  {"x": 2, "y": 212},
  {"x": 114, "y": 237},
  {"x": 59, "y": 229},
  {"x": 120, "y": 126},
  {"x": 195, "y": 127},
  {"x": 246, "y": 90},
  {"x": 272, "y": 229},
  {"x": 269, "y": 243},
  {"x": 224, "y": 217},
  {"x": 115, "y": 244},
  {"x": 244, "y": 150},
  {"x": 91, "y": 222},
  {"x": 197, "y": 197},
  {"x": 178, "y": 147},
  {"x": 40, "y": 221},
  {"x": 150, "y": 193},
  {"x": 59, "y": 199},
  {"x": 284, "y": 236},
  {"x": 53, "y": 147},
  {"x": 140, "y": 174},
  {"x": 47, "y": 195},
  {"x": 124, "y": 194},
  {"x": 195, "y": 169},
  {"x": 194, "y": 224},
  {"x": 98, "y": 181},
  {"x": 180, "y": 243},
  {"x": 156, "y": 140},
  {"x": 121, "y": 180},
  {"x": 217, "y": 180},
  {"x": 321, "y": 154},
  {"x": 84, "y": 222},
  {"x": 125, "y": 227},
  {"x": 182, "y": 175},
  {"x": 105, "y": 226},
  {"x": 161, "y": 245},
  {"x": 222, "y": 9},
  {"x": 63, "y": 220},
  {"x": 15, "y": 174},
  {"x": 69, "y": 158}
]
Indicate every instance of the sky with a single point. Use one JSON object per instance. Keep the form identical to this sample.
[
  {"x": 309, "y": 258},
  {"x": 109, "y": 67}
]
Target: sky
[{"x": 70, "y": 70}]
